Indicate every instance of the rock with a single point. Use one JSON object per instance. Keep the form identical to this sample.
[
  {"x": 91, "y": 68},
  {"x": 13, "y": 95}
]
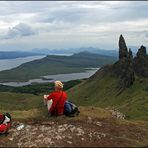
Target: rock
[
  {"x": 127, "y": 66},
  {"x": 123, "y": 52},
  {"x": 80, "y": 132},
  {"x": 141, "y": 52},
  {"x": 115, "y": 113},
  {"x": 89, "y": 120},
  {"x": 58, "y": 137},
  {"x": 123, "y": 68},
  {"x": 40, "y": 136},
  {"x": 98, "y": 123},
  {"x": 11, "y": 139},
  {"x": 47, "y": 140},
  {"x": 69, "y": 142},
  {"x": 130, "y": 55},
  {"x": 72, "y": 129},
  {"x": 20, "y": 127},
  {"x": 141, "y": 62}
]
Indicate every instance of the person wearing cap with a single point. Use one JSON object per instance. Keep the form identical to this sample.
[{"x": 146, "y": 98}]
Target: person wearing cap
[{"x": 55, "y": 101}]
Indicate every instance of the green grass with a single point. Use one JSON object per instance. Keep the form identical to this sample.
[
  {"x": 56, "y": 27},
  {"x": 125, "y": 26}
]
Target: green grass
[
  {"x": 102, "y": 92},
  {"x": 19, "y": 101},
  {"x": 96, "y": 92},
  {"x": 27, "y": 101}
]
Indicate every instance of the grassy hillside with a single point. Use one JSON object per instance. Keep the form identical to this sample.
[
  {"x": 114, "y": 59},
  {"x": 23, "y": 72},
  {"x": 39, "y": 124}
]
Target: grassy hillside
[
  {"x": 53, "y": 64},
  {"x": 26, "y": 102},
  {"x": 18, "y": 101},
  {"x": 102, "y": 91}
]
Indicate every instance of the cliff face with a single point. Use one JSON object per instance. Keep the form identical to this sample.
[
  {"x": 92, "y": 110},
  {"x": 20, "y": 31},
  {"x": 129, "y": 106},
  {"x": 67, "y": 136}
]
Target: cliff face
[
  {"x": 123, "y": 68},
  {"x": 127, "y": 67},
  {"x": 123, "y": 51},
  {"x": 141, "y": 62}
]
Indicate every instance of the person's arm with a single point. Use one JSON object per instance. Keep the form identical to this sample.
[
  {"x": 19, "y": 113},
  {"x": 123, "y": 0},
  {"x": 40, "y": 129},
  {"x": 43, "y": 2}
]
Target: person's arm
[
  {"x": 45, "y": 96},
  {"x": 50, "y": 96}
]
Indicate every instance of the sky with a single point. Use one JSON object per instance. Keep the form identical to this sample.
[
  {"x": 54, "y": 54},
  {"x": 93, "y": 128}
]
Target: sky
[{"x": 25, "y": 25}]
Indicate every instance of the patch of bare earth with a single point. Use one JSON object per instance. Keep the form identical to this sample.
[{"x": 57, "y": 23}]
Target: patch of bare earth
[{"x": 89, "y": 132}]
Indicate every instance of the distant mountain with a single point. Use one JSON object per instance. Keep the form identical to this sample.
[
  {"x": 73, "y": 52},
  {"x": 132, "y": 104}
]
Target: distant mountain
[
  {"x": 54, "y": 64},
  {"x": 17, "y": 54},
  {"x": 71, "y": 51}
]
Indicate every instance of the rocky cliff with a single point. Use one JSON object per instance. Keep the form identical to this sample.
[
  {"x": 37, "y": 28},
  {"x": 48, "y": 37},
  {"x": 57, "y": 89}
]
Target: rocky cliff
[
  {"x": 127, "y": 67},
  {"x": 123, "y": 68},
  {"x": 141, "y": 62}
]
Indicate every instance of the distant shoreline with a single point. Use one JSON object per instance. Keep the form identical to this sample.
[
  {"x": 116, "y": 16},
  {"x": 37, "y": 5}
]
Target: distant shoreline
[{"x": 50, "y": 78}]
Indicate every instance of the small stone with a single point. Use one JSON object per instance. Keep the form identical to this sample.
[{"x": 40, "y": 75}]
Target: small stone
[
  {"x": 11, "y": 139},
  {"x": 69, "y": 142},
  {"x": 41, "y": 136},
  {"x": 89, "y": 120},
  {"x": 99, "y": 123},
  {"x": 47, "y": 140},
  {"x": 58, "y": 137},
  {"x": 20, "y": 127},
  {"x": 72, "y": 129}
]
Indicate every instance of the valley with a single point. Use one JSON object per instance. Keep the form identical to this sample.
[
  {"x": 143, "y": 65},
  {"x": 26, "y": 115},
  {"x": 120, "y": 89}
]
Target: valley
[
  {"x": 52, "y": 65},
  {"x": 113, "y": 102}
]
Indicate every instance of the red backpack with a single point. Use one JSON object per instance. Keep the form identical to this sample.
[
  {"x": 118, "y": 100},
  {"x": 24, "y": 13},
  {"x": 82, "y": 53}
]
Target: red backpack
[{"x": 5, "y": 123}]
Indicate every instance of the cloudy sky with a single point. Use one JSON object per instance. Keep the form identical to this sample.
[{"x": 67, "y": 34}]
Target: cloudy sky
[{"x": 55, "y": 25}]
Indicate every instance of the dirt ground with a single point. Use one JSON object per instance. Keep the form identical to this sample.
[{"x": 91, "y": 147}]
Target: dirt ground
[{"x": 69, "y": 132}]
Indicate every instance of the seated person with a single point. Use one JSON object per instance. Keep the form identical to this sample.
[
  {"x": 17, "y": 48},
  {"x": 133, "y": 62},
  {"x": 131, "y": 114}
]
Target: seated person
[{"x": 55, "y": 101}]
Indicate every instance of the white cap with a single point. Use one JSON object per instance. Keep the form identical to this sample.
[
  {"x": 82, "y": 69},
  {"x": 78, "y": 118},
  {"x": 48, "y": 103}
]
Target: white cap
[{"x": 58, "y": 84}]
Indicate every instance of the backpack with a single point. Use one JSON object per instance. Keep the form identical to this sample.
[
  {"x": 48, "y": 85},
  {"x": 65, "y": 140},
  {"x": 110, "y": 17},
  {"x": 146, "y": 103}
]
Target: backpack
[
  {"x": 5, "y": 123},
  {"x": 70, "y": 109}
]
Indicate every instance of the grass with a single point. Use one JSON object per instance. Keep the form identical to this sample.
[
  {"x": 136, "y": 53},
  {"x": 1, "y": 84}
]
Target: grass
[
  {"x": 133, "y": 102},
  {"x": 27, "y": 101},
  {"x": 19, "y": 101},
  {"x": 96, "y": 92}
]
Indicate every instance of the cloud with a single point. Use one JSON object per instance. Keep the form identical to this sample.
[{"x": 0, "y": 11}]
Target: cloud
[
  {"x": 146, "y": 34},
  {"x": 54, "y": 24},
  {"x": 19, "y": 30}
]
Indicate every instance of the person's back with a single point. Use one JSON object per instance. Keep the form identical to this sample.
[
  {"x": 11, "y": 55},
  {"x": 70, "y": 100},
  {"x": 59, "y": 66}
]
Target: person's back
[
  {"x": 58, "y": 98},
  {"x": 55, "y": 101}
]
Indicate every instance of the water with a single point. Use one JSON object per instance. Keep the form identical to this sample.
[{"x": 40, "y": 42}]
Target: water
[
  {"x": 51, "y": 78},
  {"x": 12, "y": 63}
]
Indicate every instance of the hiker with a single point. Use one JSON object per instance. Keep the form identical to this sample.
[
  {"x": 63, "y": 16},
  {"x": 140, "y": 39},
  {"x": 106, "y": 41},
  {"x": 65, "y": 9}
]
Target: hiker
[
  {"x": 5, "y": 122},
  {"x": 55, "y": 101}
]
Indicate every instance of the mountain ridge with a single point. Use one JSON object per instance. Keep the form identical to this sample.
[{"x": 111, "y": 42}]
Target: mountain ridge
[{"x": 17, "y": 54}]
